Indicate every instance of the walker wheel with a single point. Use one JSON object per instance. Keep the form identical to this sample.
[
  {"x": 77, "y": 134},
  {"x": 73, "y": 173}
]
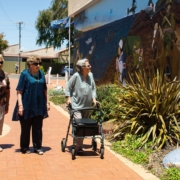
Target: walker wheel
[
  {"x": 94, "y": 145},
  {"x": 73, "y": 154},
  {"x": 63, "y": 145},
  {"x": 102, "y": 153}
]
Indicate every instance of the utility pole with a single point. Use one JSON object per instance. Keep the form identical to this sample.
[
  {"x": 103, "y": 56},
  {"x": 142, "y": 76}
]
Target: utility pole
[{"x": 20, "y": 23}]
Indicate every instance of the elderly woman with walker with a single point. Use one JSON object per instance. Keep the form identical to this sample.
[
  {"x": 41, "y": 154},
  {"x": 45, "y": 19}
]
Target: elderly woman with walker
[{"x": 81, "y": 92}]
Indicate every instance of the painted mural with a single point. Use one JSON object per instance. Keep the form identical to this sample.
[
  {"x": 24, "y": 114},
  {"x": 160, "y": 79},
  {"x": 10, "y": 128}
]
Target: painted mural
[
  {"x": 104, "y": 12},
  {"x": 159, "y": 35},
  {"x": 100, "y": 45},
  {"x": 147, "y": 40}
]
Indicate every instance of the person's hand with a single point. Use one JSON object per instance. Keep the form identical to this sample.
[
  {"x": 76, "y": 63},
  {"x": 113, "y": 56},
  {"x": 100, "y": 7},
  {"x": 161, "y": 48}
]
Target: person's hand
[
  {"x": 96, "y": 103},
  {"x": 68, "y": 102},
  {"x": 20, "y": 110},
  {"x": 6, "y": 108},
  {"x": 48, "y": 106}
]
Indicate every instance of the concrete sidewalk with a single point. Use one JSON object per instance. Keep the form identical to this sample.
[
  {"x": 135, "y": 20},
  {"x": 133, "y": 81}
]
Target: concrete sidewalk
[{"x": 54, "y": 164}]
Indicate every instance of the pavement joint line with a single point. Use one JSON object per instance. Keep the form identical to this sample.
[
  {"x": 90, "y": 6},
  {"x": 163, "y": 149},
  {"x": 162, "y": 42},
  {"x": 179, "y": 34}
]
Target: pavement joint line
[{"x": 140, "y": 170}]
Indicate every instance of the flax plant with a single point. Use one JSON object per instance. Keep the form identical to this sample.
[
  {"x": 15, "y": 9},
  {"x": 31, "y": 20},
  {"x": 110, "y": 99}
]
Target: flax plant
[{"x": 149, "y": 108}]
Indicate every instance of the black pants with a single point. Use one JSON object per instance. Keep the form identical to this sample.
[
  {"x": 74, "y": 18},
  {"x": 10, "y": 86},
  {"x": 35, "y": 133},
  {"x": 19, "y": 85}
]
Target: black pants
[{"x": 36, "y": 123}]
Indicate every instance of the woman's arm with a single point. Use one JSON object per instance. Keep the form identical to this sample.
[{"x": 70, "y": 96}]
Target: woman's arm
[
  {"x": 7, "y": 93},
  {"x": 20, "y": 104},
  {"x": 69, "y": 88},
  {"x": 7, "y": 100},
  {"x": 47, "y": 100}
]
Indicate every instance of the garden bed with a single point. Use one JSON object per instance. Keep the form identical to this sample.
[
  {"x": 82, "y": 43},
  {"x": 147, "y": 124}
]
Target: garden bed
[{"x": 155, "y": 165}]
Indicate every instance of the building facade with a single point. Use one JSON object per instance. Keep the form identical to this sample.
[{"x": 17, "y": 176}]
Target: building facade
[
  {"x": 98, "y": 28},
  {"x": 75, "y": 7},
  {"x": 100, "y": 25},
  {"x": 49, "y": 58}
]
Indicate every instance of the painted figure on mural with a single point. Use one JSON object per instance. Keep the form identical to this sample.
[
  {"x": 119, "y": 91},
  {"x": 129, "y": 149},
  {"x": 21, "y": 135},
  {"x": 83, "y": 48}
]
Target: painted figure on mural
[
  {"x": 158, "y": 48},
  {"x": 121, "y": 63},
  {"x": 168, "y": 28},
  {"x": 78, "y": 55},
  {"x": 164, "y": 38},
  {"x": 137, "y": 55},
  {"x": 155, "y": 41}
]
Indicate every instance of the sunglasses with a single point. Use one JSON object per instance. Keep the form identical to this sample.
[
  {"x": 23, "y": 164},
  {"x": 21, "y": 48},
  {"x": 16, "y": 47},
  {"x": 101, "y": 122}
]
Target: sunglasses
[
  {"x": 36, "y": 64},
  {"x": 88, "y": 65},
  {"x": 1, "y": 62}
]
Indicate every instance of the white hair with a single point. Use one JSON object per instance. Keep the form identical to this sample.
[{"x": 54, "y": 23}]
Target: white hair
[{"x": 81, "y": 63}]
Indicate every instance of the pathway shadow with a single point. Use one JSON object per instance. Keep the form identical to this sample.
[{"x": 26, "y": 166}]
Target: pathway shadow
[
  {"x": 46, "y": 148},
  {"x": 7, "y": 146},
  {"x": 87, "y": 151}
]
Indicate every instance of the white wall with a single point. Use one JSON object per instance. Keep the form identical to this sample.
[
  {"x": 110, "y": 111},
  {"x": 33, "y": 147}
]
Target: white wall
[{"x": 107, "y": 11}]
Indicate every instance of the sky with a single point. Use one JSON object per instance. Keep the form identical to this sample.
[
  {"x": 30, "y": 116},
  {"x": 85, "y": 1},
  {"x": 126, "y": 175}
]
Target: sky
[
  {"x": 26, "y": 11},
  {"x": 14, "y": 11}
]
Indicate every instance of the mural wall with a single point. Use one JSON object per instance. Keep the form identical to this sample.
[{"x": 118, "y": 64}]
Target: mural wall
[
  {"x": 160, "y": 37},
  {"x": 105, "y": 11},
  {"x": 100, "y": 45},
  {"x": 147, "y": 40}
]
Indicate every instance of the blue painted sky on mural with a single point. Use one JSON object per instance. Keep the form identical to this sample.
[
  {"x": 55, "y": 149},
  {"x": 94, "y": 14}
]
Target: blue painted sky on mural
[
  {"x": 12, "y": 12},
  {"x": 106, "y": 11}
]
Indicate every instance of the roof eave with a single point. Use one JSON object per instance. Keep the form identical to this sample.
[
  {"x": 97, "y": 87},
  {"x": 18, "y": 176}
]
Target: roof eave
[{"x": 88, "y": 5}]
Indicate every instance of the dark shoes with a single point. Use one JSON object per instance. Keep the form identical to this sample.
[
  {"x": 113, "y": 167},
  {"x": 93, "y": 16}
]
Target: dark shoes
[
  {"x": 39, "y": 151},
  {"x": 26, "y": 151}
]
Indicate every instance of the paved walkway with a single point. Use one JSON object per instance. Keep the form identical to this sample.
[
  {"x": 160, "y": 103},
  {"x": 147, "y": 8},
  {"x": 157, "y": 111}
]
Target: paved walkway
[{"x": 54, "y": 164}]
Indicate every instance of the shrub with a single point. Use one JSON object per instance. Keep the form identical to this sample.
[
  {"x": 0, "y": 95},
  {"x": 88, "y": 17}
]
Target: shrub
[
  {"x": 129, "y": 147},
  {"x": 149, "y": 108},
  {"x": 42, "y": 69},
  {"x": 106, "y": 95},
  {"x": 55, "y": 92},
  {"x": 58, "y": 100},
  {"x": 171, "y": 174},
  {"x": 57, "y": 96}
]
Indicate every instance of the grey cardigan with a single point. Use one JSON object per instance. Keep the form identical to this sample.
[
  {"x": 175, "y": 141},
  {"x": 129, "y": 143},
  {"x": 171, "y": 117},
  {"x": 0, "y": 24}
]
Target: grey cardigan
[{"x": 81, "y": 92}]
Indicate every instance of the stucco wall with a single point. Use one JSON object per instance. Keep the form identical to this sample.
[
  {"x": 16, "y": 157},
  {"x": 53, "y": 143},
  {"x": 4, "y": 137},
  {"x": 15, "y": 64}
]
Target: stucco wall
[
  {"x": 75, "y": 6},
  {"x": 63, "y": 57},
  {"x": 41, "y": 52},
  {"x": 14, "y": 49},
  {"x": 101, "y": 13}
]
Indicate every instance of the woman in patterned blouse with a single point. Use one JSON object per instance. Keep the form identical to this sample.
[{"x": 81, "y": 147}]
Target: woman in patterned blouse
[{"x": 4, "y": 95}]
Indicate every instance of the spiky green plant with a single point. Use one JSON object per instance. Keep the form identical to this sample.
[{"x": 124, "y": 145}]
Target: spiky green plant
[{"x": 150, "y": 109}]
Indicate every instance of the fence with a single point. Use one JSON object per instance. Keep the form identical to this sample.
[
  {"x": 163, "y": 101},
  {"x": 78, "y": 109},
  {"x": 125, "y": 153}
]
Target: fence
[{"x": 9, "y": 67}]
